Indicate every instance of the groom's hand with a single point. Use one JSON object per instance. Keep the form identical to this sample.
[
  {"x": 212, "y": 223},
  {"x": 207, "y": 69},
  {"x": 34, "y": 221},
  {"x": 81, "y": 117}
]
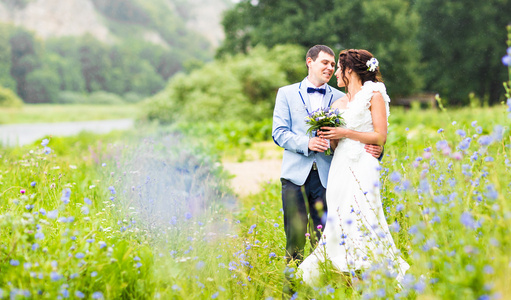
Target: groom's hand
[
  {"x": 374, "y": 150},
  {"x": 318, "y": 144}
]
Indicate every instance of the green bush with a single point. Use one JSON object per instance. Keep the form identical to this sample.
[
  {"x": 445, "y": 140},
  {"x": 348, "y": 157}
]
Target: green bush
[
  {"x": 241, "y": 87},
  {"x": 9, "y": 99},
  {"x": 104, "y": 98},
  {"x": 69, "y": 97},
  {"x": 132, "y": 97}
]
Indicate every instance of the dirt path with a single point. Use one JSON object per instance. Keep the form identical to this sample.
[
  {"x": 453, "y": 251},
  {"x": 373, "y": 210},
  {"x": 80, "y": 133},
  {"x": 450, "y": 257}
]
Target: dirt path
[
  {"x": 263, "y": 162},
  {"x": 250, "y": 174}
]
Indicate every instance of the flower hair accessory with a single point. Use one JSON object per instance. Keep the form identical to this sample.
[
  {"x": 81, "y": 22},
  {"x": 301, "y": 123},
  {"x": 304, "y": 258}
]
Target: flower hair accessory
[{"x": 372, "y": 64}]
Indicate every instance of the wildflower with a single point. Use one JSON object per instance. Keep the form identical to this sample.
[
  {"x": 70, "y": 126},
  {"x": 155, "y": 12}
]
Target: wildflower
[
  {"x": 320, "y": 227},
  {"x": 464, "y": 144},
  {"x": 506, "y": 60},
  {"x": 14, "y": 262},
  {"x": 461, "y": 132},
  {"x": 457, "y": 155},
  {"x": 200, "y": 265},
  {"x": 33, "y": 183},
  {"x": 440, "y": 130},
  {"x": 22, "y": 191},
  {"x": 276, "y": 225},
  {"x": 80, "y": 255},
  {"x": 45, "y": 142},
  {"x": 97, "y": 295},
  {"x": 79, "y": 295},
  {"x": 272, "y": 254},
  {"x": 103, "y": 164},
  {"x": 87, "y": 201},
  {"x": 485, "y": 140},
  {"x": 395, "y": 226},
  {"x": 112, "y": 190},
  {"x": 102, "y": 245},
  {"x": 400, "y": 207},
  {"x": 468, "y": 221},
  {"x": 85, "y": 210},
  {"x": 55, "y": 276},
  {"x": 395, "y": 176},
  {"x": 93, "y": 274},
  {"x": 39, "y": 235},
  {"x": 491, "y": 192},
  {"x": 498, "y": 132},
  {"x": 214, "y": 296},
  {"x": 66, "y": 194}
]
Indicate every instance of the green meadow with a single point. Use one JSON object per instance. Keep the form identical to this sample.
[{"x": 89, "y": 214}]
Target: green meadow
[{"x": 151, "y": 214}]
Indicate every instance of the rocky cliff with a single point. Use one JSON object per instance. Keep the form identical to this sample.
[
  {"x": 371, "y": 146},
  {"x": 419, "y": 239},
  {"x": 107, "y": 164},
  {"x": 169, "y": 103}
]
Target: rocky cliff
[{"x": 57, "y": 18}]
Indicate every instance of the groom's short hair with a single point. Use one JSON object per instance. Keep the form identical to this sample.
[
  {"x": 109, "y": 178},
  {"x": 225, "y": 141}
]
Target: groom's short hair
[{"x": 316, "y": 49}]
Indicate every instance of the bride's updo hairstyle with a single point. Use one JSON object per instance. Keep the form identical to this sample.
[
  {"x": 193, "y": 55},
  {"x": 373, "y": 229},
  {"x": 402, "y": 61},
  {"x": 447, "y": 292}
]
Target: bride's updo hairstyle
[{"x": 356, "y": 60}]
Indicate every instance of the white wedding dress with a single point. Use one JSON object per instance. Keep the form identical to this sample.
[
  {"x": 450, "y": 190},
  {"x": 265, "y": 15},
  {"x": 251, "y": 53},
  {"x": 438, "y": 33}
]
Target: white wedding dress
[{"x": 356, "y": 235}]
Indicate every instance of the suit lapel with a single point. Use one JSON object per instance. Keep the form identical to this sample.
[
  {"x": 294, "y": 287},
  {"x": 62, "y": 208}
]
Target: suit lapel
[
  {"x": 328, "y": 98},
  {"x": 304, "y": 96}
]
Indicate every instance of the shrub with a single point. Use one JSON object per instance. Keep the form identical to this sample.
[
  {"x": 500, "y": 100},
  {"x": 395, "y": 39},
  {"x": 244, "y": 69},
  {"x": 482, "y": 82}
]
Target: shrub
[
  {"x": 104, "y": 98},
  {"x": 9, "y": 99},
  {"x": 69, "y": 97}
]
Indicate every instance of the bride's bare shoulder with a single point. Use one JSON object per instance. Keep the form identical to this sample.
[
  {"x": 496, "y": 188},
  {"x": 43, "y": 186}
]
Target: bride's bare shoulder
[{"x": 340, "y": 103}]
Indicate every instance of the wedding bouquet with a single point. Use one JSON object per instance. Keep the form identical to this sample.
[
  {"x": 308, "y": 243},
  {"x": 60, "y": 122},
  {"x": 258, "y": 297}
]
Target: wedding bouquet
[{"x": 324, "y": 117}]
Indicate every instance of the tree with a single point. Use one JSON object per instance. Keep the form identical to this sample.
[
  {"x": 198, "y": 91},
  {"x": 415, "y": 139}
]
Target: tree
[
  {"x": 94, "y": 63},
  {"x": 387, "y": 28},
  {"x": 42, "y": 86},
  {"x": 24, "y": 58},
  {"x": 462, "y": 43},
  {"x": 6, "y": 79}
]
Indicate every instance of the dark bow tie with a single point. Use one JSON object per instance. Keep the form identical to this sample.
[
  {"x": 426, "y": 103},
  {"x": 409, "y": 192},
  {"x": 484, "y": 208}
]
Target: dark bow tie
[{"x": 311, "y": 90}]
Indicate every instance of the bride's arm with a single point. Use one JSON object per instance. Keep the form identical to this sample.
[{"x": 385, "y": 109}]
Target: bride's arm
[{"x": 377, "y": 137}]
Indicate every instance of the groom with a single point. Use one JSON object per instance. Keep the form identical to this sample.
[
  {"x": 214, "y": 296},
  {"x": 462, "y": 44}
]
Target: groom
[{"x": 304, "y": 173}]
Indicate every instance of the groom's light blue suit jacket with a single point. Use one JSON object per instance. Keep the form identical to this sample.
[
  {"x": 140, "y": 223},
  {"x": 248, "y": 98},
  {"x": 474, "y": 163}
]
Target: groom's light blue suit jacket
[{"x": 292, "y": 105}]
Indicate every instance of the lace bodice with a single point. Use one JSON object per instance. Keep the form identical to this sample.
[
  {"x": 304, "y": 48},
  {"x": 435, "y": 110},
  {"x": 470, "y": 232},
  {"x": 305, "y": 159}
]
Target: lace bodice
[{"x": 358, "y": 116}]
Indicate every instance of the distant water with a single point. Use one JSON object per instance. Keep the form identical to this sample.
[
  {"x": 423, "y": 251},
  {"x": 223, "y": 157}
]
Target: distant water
[{"x": 23, "y": 134}]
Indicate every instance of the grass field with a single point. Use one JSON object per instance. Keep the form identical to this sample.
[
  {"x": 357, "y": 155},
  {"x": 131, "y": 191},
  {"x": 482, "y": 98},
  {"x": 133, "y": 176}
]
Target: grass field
[
  {"x": 151, "y": 216},
  {"x": 43, "y": 113}
]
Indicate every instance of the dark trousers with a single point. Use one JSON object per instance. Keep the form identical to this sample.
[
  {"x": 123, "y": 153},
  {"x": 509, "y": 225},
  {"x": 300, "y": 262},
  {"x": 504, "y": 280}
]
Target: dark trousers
[{"x": 300, "y": 202}]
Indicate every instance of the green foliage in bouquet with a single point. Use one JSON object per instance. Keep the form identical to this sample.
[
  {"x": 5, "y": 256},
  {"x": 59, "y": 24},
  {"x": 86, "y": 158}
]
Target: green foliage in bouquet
[{"x": 324, "y": 117}]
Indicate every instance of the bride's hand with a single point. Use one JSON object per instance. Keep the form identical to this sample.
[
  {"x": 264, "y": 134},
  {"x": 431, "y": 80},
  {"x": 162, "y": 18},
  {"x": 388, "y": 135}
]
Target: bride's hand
[{"x": 333, "y": 133}]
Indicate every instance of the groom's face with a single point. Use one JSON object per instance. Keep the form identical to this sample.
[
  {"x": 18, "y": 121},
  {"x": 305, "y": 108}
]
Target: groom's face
[{"x": 321, "y": 69}]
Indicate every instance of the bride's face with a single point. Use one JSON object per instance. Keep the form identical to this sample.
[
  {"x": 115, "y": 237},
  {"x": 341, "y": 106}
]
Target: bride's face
[{"x": 338, "y": 75}]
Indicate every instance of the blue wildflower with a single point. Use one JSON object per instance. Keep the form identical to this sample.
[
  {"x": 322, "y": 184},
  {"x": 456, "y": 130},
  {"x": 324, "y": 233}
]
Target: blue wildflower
[
  {"x": 66, "y": 194},
  {"x": 79, "y": 295},
  {"x": 33, "y": 183},
  {"x": 39, "y": 235},
  {"x": 55, "y": 276},
  {"x": 485, "y": 140},
  {"x": 80, "y": 255},
  {"x": 45, "y": 142},
  {"x": 214, "y": 296},
  {"x": 395, "y": 176},
  {"x": 97, "y": 295},
  {"x": 464, "y": 144},
  {"x": 112, "y": 190},
  {"x": 506, "y": 60},
  {"x": 468, "y": 221},
  {"x": 87, "y": 201},
  {"x": 461, "y": 132},
  {"x": 400, "y": 207},
  {"x": 272, "y": 255},
  {"x": 102, "y": 244},
  {"x": 14, "y": 262}
]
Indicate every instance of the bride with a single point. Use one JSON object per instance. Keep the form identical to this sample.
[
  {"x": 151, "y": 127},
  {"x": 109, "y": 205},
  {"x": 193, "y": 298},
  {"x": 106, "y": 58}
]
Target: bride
[{"x": 356, "y": 235}]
